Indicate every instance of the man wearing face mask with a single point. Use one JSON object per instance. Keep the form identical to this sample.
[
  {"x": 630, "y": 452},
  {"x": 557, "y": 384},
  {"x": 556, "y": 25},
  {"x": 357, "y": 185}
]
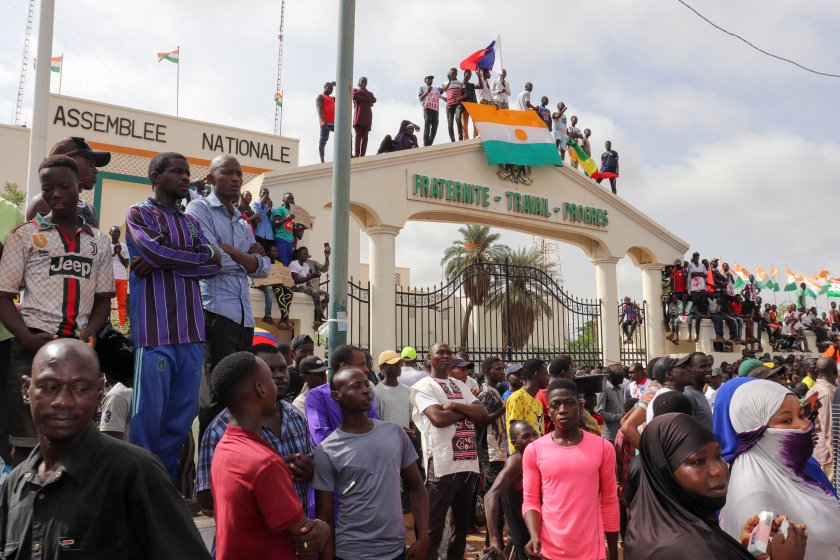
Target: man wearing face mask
[
  {"x": 611, "y": 401},
  {"x": 771, "y": 467}
]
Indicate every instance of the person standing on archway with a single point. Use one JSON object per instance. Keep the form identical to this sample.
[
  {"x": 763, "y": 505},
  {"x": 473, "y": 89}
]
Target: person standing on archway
[
  {"x": 560, "y": 128},
  {"x": 363, "y": 101},
  {"x": 325, "y": 105},
  {"x": 454, "y": 91},
  {"x": 429, "y": 97},
  {"x": 609, "y": 164}
]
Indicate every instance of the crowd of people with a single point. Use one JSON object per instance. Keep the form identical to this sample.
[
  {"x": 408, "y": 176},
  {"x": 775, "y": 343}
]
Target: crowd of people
[
  {"x": 454, "y": 92},
  {"x": 705, "y": 289},
  {"x": 299, "y": 457}
]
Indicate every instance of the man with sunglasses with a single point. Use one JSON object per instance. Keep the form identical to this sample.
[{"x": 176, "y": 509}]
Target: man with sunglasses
[{"x": 87, "y": 159}]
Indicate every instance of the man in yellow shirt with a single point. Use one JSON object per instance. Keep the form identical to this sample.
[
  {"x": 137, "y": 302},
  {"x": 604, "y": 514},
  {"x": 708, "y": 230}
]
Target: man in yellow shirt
[{"x": 523, "y": 403}]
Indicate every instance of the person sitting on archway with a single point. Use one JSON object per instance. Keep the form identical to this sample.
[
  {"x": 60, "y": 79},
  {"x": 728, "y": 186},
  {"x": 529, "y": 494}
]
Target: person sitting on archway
[{"x": 404, "y": 140}]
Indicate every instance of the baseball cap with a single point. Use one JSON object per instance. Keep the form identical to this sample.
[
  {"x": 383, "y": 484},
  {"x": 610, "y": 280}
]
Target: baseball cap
[
  {"x": 75, "y": 146},
  {"x": 764, "y": 372},
  {"x": 409, "y": 353},
  {"x": 716, "y": 372},
  {"x": 302, "y": 339},
  {"x": 458, "y": 362},
  {"x": 312, "y": 364},
  {"x": 512, "y": 368},
  {"x": 388, "y": 357},
  {"x": 747, "y": 366}
]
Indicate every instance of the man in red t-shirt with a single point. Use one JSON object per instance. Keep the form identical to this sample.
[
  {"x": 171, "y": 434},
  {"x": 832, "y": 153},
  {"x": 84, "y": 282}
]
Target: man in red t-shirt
[
  {"x": 258, "y": 514},
  {"x": 678, "y": 279},
  {"x": 325, "y": 105}
]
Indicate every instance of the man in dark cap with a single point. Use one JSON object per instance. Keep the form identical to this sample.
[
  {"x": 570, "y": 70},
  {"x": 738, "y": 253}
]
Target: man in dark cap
[
  {"x": 87, "y": 159},
  {"x": 313, "y": 372},
  {"x": 302, "y": 346}
]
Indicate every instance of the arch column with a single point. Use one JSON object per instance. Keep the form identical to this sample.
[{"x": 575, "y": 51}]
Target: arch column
[
  {"x": 383, "y": 291},
  {"x": 654, "y": 319},
  {"x": 606, "y": 286}
]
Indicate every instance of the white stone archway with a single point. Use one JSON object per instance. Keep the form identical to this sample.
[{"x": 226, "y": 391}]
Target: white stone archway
[{"x": 454, "y": 183}]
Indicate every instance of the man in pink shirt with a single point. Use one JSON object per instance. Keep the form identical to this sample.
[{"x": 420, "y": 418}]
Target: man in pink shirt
[{"x": 565, "y": 474}]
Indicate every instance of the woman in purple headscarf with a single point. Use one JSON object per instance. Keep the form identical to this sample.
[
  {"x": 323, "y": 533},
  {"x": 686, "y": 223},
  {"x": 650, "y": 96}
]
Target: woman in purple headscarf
[
  {"x": 404, "y": 140},
  {"x": 363, "y": 101}
]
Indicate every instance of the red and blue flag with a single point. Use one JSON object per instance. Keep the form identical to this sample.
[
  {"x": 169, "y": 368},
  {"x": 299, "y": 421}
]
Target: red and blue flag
[{"x": 485, "y": 58}]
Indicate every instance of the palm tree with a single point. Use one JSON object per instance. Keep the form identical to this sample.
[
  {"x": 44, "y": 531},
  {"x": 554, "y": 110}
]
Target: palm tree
[
  {"x": 477, "y": 246},
  {"x": 528, "y": 299}
]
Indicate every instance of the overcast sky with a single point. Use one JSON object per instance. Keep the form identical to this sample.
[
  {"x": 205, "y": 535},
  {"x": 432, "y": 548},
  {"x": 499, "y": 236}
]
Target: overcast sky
[{"x": 731, "y": 150}]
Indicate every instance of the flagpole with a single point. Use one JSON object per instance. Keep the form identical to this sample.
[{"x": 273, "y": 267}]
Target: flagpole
[
  {"x": 60, "y": 73},
  {"x": 178, "y": 81}
]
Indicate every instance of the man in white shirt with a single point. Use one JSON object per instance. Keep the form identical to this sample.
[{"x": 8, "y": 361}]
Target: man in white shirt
[
  {"x": 392, "y": 398},
  {"x": 501, "y": 90},
  {"x": 696, "y": 276},
  {"x": 525, "y": 98},
  {"x": 639, "y": 382},
  {"x": 116, "y": 411},
  {"x": 429, "y": 97},
  {"x": 410, "y": 373},
  {"x": 446, "y": 413},
  {"x": 120, "y": 262},
  {"x": 307, "y": 273},
  {"x": 485, "y": 93},
  {"x": 715, "y": 381}
]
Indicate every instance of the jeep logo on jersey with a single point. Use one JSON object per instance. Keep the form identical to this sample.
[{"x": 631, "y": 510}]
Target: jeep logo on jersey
[{"x": 71, "y": 265}]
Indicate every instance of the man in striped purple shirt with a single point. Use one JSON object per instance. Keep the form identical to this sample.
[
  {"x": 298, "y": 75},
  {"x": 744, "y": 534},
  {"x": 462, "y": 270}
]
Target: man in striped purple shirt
[{"x": 169, "y": 254}]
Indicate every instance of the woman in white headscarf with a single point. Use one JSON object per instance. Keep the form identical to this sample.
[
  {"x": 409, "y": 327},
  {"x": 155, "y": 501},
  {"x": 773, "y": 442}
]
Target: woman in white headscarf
[{"x": 767, "y": 473}]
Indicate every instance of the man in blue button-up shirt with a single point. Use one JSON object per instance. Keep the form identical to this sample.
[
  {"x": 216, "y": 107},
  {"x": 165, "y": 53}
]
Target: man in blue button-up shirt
[
  {"x": 229, "y": 323},
  {"x": 264, "y": 230}
]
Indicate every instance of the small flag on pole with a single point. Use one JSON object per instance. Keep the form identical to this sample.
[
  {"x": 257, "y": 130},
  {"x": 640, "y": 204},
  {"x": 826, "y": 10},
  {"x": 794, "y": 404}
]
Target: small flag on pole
[
  {"x": 171, "y": 56},
  {"x": 55, "y": 63},
  {"x": 278, "y": 99}
]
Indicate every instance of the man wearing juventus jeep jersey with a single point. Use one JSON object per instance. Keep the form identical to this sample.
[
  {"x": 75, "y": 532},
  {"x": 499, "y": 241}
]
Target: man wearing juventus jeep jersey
[{"x": 64, "y": 265}]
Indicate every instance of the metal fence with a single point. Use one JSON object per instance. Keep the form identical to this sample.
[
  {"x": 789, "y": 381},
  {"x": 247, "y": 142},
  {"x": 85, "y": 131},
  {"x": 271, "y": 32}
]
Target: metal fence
[
  {"x": 499, "y": 309},
  {"x": 358, "y": 312}
]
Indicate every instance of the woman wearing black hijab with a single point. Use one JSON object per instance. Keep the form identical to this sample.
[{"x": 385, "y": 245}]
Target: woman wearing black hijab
[{"x": 683, "y": 485}]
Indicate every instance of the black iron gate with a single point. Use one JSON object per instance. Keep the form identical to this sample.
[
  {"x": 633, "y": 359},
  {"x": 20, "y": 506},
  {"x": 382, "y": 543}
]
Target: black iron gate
[
  {"x": 633, "y": 332},
  {"x": 499, "y": 309},
  {"x": 358, "y": 312}
]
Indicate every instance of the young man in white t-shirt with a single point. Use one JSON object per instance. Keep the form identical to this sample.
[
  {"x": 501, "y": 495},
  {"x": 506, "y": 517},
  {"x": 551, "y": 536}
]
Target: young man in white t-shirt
[
  {"x": 307, "y": 273},
  {"x": 446, "y": 412},
  {"x": 116, "y": 411},
  {"x": 429, "y": 97},
  {"x": 120, "y": 263}
]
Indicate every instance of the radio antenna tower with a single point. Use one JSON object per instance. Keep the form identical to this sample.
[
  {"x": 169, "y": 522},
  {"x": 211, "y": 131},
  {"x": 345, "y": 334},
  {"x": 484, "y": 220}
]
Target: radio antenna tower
[
  {"x": 24, "y": 62},
  {"x": 278, "y": 107}
]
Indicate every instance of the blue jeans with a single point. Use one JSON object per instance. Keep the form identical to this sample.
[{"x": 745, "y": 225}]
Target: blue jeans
[
  {"x": 286, "y": 250},
  {"x": 267, "y": 296}
]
